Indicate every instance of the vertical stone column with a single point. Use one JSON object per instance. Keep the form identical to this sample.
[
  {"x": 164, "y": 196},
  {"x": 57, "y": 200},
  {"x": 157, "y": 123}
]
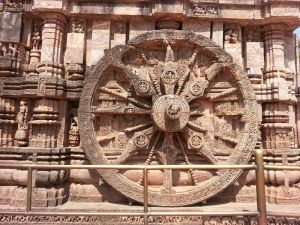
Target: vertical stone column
[
  {"x": 53, "y": 35},
  {"x": 98, "y": 39},
  {"x": 74, "y": 57},
  {"x": 217, "y": 33},
  {"x": 233, "y": 42},
  {"x": 277, "y": 100},
  {"x": 47, "y": 122},
  {"x": 254, "y": 62},
  {"x": 119, "y": 31}
]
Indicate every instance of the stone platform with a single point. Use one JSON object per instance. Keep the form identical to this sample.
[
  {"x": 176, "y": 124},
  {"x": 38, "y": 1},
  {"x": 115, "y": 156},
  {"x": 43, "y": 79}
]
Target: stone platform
[{"x": 73, "y": 207}]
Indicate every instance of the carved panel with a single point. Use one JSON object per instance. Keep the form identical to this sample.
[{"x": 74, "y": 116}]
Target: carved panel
[
  {"x": 203, "y": 10},
  {"x": 168, "y": 98}
]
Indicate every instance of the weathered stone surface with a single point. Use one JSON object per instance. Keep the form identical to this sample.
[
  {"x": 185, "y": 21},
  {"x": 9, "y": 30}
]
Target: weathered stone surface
[
  {"x": 10, "y": 29},
  {"x": 75, "y": 48},
  {"x": 99, "y": 41},
  {"x": 223, "y": 75}
]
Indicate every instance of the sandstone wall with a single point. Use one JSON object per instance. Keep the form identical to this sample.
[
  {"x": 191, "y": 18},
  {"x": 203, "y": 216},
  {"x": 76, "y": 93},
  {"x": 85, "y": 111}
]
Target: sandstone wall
[{"x": 49, "y": 47}]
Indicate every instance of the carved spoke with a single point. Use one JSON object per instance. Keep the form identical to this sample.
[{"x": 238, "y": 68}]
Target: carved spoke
[
  {"x": 140, "y": 80},
  {"x": 138, "y": 127},
  {"x": 150, "y": 156},
  {"x": 168, "y": 154},
  {"x": 226, "y": 138},
  {"x": 139, "y": 141},
  {"x": 196, "y": 142},
  {"x": 125, "y": 96},
  {"x": 186, "y": 159},
  {"x": 121, "y": 109},
  {"x": 197, "y": 127}
]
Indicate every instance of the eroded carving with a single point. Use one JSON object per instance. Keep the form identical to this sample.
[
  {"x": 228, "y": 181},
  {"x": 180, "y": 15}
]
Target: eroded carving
[
  {"x": 181, "y": 116},
  {"x": 22, "y": 119},
  {"x": 204, "y": 10}
]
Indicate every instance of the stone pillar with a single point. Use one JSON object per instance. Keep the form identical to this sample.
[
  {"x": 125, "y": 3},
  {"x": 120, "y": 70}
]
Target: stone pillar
[
  {"x": 277, "y": 100},
  {"x": 233, "y": 42},
  {"x": 74, "y": 57},
  {"x": 217, "y": 33},
  {"x": 119, "y": 33},
  {"x": 254, "y": 54},
  {"x": 98, "y": 39},
  {"x": 54, "y": 25},
  {"x": 275, "y": 115}
]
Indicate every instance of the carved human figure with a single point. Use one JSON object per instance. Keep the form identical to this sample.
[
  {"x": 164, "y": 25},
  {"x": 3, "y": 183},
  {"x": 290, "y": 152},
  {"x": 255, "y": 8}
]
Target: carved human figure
[
  {"x": 231, "y": 37},
  {"x": 22, "y": 119},
  {"x": 36, "y": 39},
  {"x": 23, "y": 115},
  {"x": 13, "y": 50},
  {"x": 78, "y": 25},
  {"x": 3, "y": 48},
  {"x": 74, "y": 130},
  {"x": 199, "y": 10}
]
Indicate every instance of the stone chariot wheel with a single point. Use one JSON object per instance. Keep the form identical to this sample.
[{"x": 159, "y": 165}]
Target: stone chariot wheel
[{"x": 168, "y": 97}]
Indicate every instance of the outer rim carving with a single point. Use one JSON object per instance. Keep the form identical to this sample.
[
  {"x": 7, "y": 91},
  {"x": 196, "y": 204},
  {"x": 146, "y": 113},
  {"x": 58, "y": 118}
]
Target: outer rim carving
[{"x": 241, "y": 154}]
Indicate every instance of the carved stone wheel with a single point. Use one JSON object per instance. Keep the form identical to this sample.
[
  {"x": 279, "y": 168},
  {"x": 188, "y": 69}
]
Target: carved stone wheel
[{"x": 168, "y": 97}]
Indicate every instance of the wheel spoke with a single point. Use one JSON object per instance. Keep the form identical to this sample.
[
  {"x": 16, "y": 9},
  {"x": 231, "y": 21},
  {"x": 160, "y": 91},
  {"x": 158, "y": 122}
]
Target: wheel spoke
[
  {"x": 186, "y": 159},
  {"x": 125, "y": 96},
  {"x": 150, "y": 156},
  {"x": 194, "y": 89},
  {"x": 138, "y": 127},
  {"x": 226, "y": 138},
  {"x": 196, "y": 142},
  {"x": 121, "y": 109},
  {"x": 142, "y": 86},
  {"x": 138, "y": 142},
  {"x": 197, "y": 127},
  {"x": 168, "y": 154}
]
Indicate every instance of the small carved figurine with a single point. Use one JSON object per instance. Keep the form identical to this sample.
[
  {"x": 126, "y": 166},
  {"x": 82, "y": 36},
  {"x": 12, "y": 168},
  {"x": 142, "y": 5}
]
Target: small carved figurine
[
  {"x": 22, "y": 115},
  {"x": 74, "y": 130},
  {"x": 22, "y": 119},
  {"x": 231, "y": 37}
]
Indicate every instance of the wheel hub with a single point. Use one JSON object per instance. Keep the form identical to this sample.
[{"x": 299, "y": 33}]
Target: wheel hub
[{"x": 170, "y": 113}]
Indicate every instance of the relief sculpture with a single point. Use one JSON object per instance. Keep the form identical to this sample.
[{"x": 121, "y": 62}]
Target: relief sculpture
[{"x": 165, "y": 113}]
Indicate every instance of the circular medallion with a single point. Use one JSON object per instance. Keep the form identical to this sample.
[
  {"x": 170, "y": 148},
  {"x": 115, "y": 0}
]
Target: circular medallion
[
  {"x": 141, "y": 141},
  {"x": 170, "y": 113},
  {"x": 146, "y": 104},
  {"x": 169, "y": 77},
  {"x": 143, "y": 87},
  {"x": 196, "y": 141}
]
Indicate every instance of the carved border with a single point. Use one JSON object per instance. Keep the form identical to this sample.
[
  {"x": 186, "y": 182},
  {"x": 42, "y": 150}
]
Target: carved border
[
  {"x": 170, "y": 220},
  {"x": 240, "y": 155}
]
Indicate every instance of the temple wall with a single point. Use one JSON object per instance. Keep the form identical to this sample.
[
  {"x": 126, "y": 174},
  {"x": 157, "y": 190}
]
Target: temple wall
[{"x": 48, "y": 48}]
